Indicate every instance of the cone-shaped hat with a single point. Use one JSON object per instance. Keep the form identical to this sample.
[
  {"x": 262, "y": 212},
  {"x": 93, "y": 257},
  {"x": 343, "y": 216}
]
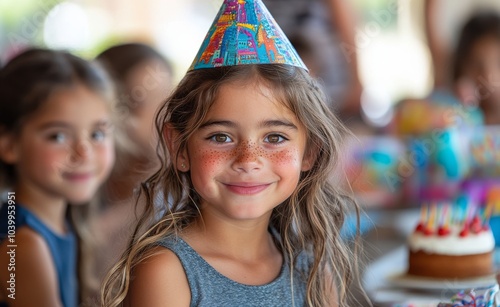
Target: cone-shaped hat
[{"x": 244, "y": 32}]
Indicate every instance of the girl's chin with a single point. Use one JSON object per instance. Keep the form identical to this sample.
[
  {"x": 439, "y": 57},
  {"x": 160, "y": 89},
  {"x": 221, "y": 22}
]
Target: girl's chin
[{"x": 80, "y": 199}]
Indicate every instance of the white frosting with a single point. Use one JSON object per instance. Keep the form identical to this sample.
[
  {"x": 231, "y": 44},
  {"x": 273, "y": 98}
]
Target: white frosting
[{"x": 453, "y": 244}]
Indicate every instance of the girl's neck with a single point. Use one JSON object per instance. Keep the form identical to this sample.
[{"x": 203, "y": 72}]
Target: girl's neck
[
  {"x": 491, "y": 110},
  {"x": 243, "y": 251},
  {"x": 248, "y": 241},
  {"x": 50, "y": 210},
  {"x": 491, "y": 118}
]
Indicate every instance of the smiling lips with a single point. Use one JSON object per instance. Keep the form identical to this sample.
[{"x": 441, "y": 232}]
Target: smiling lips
[
  {"x": 78, "y": 177},
  {"x": 245, "y": 188}
]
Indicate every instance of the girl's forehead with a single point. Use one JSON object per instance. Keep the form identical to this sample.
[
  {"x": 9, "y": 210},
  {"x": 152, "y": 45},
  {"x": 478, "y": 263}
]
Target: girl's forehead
[
  {"x": 255, "y": 86},
  {"x": 250, "y": 92},
  {"x": 74, "y": 103},
  {"x": 249, "y": 102}
]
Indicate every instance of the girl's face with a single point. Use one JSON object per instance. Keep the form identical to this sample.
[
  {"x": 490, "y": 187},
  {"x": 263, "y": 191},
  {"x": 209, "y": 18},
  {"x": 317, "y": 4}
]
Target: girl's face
[
  {"x": 65, "y": 150},
  {"x": 148, "y": 85},
  {"x": 247, "y": 156},
  {"x": 483, "y": 68}
]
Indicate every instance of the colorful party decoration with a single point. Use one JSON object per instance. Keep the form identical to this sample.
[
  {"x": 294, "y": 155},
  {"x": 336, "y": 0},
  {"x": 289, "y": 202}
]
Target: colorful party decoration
[{"x": 244, "y": 32}]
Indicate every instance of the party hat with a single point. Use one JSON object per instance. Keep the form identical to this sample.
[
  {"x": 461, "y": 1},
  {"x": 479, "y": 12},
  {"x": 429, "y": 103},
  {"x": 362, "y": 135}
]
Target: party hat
[{"x": 244, "y": 32}]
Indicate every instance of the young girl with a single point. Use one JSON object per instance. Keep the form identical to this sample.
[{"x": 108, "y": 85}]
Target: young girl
[
  {"x": 56, "y": 148},
  {"x": 474, "y": 61},
  {"x": 251, "y": 149},
  {"x": 249, "y": 146},
  {"x": 477, "y": 62},
  {"x": 144, "y": 78}
]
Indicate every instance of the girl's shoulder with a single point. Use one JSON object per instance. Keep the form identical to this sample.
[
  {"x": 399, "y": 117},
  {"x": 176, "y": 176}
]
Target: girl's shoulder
[
  {"x": 27, "y": 271},
  {"x": 159, "y": 280},
  {"x": 26, "y": 243}
]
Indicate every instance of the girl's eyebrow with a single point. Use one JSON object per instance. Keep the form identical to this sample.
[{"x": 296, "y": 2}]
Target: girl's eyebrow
[
  {"x": 103, "y": 123},
  {"x": 278, "y": 123},
  {"x": 66, "y": 125},
  {"x": 54, "y": 124},
  {"x": 262, "y": 124},
  {"x": 225, "y": 123}
]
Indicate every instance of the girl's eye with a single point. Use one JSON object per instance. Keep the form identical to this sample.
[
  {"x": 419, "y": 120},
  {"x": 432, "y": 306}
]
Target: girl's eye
[
  {"x": 275, "y": 138},
  {"x": 220, "y": 138},
  {"x": 98, "y": 135},
  {"x": 58, "y": 137}
]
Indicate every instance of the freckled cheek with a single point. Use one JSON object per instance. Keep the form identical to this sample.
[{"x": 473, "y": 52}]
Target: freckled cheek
[
  {"x": 211, "y": 160},
  {"x": 286, "y": 158}
]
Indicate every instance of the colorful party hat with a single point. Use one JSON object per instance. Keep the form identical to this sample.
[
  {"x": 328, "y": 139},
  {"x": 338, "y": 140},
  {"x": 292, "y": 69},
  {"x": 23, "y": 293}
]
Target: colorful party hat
[{"x": 244, "y": 32}]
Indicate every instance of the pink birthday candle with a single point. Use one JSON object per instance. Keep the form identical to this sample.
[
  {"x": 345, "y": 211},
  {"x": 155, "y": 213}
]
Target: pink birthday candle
[
  {"x": 442, "y": 215},
  {"x": 465, "y": 223},
  {"x": 444, "y": 225}
]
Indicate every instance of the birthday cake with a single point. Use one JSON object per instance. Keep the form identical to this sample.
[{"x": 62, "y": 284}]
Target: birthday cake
[{"x": 446, "y": 246}]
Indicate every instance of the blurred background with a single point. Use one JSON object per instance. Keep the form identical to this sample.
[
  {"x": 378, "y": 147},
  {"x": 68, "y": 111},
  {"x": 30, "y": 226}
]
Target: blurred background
[
  {"x": 394, "y": 64},
  {"x": 394, "y": 61}
]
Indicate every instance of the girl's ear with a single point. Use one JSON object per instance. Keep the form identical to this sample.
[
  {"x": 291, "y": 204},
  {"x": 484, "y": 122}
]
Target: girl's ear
[
  {"x": 171, "y": 136},
  {"x": 309, "y": 157},
  {"x": 8, "y": 148}
]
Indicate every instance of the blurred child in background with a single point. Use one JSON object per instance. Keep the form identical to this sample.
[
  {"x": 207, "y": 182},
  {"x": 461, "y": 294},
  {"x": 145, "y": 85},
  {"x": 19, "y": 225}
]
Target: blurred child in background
[
  {"x": 56, "y": 149},
  {"x": 472, "y": 68},
  {"x": 325, "y": 33},
  {"x": 143, "y": 78},
  {"x": 477, "y": 60}
]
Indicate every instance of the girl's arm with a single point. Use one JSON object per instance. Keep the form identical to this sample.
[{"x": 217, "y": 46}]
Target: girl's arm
[
  {"x": 159, "y": 280},
  {"x": 35, "y": 277},
  {"x": 437, "y": 48},
  {"x": 345, "y": 21}
]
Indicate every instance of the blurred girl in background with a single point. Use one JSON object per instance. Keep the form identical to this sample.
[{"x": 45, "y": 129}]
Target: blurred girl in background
[{"x": 56, "y": 149}]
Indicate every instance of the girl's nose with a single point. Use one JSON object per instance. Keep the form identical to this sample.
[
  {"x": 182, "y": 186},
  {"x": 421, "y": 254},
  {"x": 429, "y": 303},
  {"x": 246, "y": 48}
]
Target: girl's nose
[
  {"x": 247, "y": 158},
  {"x": 81, "y": 151}
]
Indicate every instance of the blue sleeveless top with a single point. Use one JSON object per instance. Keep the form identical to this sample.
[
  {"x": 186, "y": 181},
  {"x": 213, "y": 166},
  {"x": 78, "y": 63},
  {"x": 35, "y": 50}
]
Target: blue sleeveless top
[
  {"x": 210, "y": 288},
  {"x": 62, "y": 248}
]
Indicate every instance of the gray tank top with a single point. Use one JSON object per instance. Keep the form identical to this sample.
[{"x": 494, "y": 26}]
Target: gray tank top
[{"x": 210, "y": 288}]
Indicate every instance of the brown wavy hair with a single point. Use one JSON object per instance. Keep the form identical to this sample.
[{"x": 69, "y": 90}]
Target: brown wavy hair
[{"x": 309, "y": 220}]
